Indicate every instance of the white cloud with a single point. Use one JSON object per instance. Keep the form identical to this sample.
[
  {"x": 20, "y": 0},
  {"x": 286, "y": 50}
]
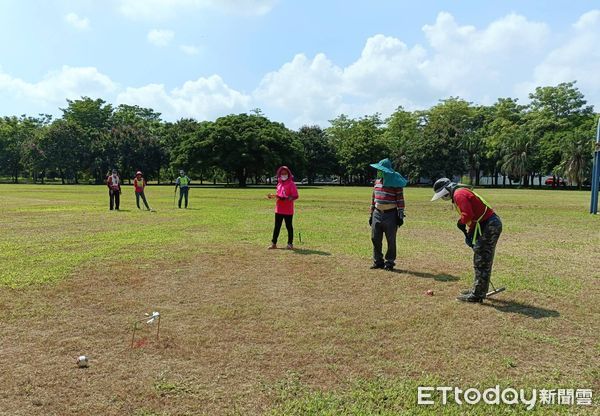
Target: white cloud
[
  {"x": 166, "y": 9},
  {"x": 386, "y": 65},
  {"x": 307, "y": 91},
  {"x": 160, "y": 37},
  {"x": 204, "y": 98},
  {"x": 189, "y": 49},
  {"x": 466, "y": 61},
  {"x": 508, "y": 57},
  {"x": 55, "y": 87},
  {"x": 577, "y": 58},
  {"x": 310, "y": 88},
  {"x": 80, "y": 23}
]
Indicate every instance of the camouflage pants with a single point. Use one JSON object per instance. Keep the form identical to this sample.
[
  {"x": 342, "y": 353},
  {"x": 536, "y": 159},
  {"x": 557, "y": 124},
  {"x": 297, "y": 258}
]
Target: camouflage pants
[{"x": 483, "y": 254}]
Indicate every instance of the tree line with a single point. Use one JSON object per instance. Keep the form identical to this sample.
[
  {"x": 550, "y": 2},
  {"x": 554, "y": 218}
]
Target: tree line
[{"x": 552, "y": 135}]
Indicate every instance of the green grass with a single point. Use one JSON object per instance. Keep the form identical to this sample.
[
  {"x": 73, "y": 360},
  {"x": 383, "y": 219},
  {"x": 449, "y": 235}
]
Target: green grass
[
  {"x": 49, "y": 232},
  {"x": 305, "y": 333},
  {"x": 384, "y": 397}
]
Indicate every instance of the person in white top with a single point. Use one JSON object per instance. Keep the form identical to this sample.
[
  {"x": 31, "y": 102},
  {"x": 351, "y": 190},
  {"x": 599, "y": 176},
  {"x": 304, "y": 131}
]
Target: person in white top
[{"x": 114, "y": 190}]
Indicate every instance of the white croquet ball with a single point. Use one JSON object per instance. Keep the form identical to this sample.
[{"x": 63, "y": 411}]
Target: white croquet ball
[{"x": 83, "y": 361}]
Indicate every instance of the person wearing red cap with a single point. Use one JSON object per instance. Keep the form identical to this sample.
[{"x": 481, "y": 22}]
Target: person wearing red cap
[{"x": 140, "y": 183}]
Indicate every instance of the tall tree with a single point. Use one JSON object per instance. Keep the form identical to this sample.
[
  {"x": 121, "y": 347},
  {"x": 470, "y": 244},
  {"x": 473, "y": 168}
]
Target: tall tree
[
  {"x": 191, "y": 146},
  {"x": 64, "y": 148},
  {"x": 402, "y": 136},
  {"x": 33, "y": 156},
  {"x": 14, "y": 134},
  {"x": 318, "y": 152},
  {"x": 555, "y": 111},
  {"x": 474, "y": 142},
  {"x": 93, "y": 116},
  {"x": 505, "y": 118},
  {"x": 358, "y": 143},
  {"x": 577, "y": 154},
  {"x": 88, "y": 113},
  {"x": 136, "y": 133},
  {"x": 517, "y": 154},
  {"x": 577, "y": 159},
  {"x": 446, "y": 127},
  {"x": 247, "y": 146}
]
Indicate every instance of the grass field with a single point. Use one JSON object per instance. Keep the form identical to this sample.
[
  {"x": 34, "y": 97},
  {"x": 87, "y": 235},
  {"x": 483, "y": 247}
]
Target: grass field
[{"x": 250, "y": 331}]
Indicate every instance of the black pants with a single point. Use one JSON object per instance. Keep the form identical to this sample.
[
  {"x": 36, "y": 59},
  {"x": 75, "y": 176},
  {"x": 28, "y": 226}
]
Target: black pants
[
  {"x": 384, "y": 223},
  {"x": 288, "y": 224},
  {"x": 115, "y": 199},
  {"x": 183, "y": 192},
  {"x": 139, "y": 195}
]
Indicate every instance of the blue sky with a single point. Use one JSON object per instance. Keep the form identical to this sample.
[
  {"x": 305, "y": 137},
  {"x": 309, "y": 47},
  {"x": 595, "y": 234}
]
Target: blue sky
[{"x": 299, "y": 61}]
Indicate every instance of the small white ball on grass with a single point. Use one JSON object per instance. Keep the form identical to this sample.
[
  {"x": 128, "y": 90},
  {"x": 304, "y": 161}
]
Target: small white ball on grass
[{"x": 83, "y": 361}]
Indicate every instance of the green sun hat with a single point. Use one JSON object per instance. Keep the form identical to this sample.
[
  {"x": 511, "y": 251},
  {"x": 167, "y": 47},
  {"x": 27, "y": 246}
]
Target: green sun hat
[
  {"x": 384, "y": 165},
  {"x": 391, "y": 178}
]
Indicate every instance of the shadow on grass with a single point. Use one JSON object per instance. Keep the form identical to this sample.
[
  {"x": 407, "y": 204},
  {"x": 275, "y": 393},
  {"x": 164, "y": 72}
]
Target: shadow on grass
[
  {"x": 440, "y": 277},
  {"x": 308, "y": 252},
  {"x": 534, "y": 312}
]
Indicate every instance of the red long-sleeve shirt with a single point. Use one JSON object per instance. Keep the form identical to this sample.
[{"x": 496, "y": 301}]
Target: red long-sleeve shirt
[
  {"x": 471, "y": 208},
  {"x": 287, "y": 193}
]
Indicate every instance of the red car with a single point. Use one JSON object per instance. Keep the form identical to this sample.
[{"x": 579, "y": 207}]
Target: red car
[{"x": 559, "y": 181}]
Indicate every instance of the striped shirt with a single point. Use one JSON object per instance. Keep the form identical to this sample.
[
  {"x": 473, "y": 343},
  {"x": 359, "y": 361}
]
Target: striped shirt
[{"x": 387, "y": 197}]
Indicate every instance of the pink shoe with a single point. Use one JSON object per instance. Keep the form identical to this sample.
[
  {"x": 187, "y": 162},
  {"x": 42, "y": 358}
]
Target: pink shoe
[
  {"x": 272, "y": 247},
  {"x": 290, "y": 247}
]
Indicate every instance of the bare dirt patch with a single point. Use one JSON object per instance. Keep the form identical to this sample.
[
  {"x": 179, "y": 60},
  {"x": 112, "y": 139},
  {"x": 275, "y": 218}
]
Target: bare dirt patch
[{"x": 237, "y": 321}]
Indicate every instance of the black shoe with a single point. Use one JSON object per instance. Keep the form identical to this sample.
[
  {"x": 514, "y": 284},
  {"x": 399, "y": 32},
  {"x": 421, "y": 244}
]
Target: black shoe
[
  {"x": 388, "y": 268},
  {"x": 376, "y": 266},
  {"x": 470, "y": 297}
]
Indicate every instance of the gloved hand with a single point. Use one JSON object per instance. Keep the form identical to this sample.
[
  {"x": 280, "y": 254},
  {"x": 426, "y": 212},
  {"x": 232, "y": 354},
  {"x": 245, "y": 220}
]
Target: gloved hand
[
  {"x": 469, "y": 239},
  {"x": 371, "y": 220},
  {"x": 462, "y": 227},
  {"x": 400, "y": 220}
]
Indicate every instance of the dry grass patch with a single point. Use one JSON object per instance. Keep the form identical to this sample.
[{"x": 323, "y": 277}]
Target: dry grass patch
[{"x": 245, "y": 330}]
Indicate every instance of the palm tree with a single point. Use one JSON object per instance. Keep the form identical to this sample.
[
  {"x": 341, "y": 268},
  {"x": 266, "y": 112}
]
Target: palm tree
[
  {"x": 576, "y": 160},
  {"x": 474, "y": 149},
  {"x": 517, "y": 155}
]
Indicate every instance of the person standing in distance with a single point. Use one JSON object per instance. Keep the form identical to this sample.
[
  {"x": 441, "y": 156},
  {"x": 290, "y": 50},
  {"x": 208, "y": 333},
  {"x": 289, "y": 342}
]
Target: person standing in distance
[
  {"x": 114, "y": 190},
  {"x": 183, "y": 182},
  {"x": 140, "y": 184}
]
